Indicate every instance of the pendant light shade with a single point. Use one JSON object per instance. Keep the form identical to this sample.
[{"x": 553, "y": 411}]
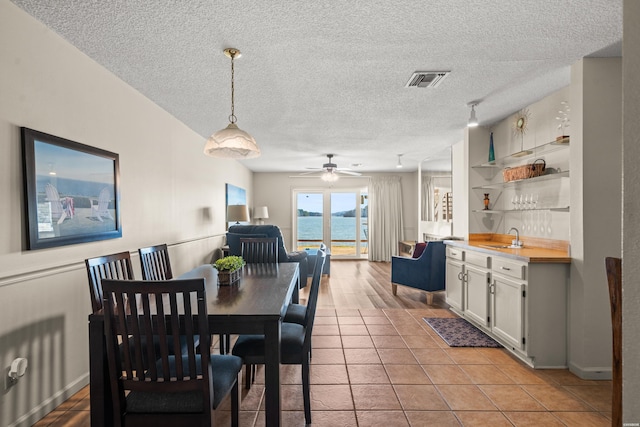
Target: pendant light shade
[{"x": 232, "y": 142}]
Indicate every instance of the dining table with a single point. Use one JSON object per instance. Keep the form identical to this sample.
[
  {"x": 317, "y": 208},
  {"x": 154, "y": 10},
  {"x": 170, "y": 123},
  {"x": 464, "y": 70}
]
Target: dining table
[{"x": 255, "y": 304}]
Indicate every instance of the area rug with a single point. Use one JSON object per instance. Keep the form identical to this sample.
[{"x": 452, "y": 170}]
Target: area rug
[{"x": 459, "y": 333}]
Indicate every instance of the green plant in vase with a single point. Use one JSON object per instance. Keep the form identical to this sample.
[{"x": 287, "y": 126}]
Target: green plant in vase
[
  {"x": 229, "y": 269},
  {"x": 229, "y": 263}
]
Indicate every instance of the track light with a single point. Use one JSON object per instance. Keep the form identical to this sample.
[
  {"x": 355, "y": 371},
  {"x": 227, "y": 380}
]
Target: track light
[
  {"x": 473, "y": 120},
  {"x": 399, "y": 165}
]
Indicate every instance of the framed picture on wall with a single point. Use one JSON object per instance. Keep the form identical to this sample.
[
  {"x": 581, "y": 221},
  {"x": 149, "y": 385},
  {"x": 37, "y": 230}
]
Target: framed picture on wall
[
  {"x": 71, "y": 191},
  {"x": 237, "y": 198}
]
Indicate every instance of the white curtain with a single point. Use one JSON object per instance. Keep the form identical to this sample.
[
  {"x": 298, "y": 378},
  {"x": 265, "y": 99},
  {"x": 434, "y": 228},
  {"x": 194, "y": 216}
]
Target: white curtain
[
  {"x": 385, "y": 217},
  {"x": 427, "y": 198}
]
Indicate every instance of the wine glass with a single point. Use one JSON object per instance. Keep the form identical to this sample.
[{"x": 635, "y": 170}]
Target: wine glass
[
  {"x": 534, "y": 200},
  {"x": 514, "y": 201}
]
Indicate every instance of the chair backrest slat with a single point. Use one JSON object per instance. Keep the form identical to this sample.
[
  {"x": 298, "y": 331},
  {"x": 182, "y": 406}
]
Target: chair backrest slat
[
  {"x": 154, "y": 263},
  {"x": 115, "y": 266},
  {"x": 259, "y": 250}
]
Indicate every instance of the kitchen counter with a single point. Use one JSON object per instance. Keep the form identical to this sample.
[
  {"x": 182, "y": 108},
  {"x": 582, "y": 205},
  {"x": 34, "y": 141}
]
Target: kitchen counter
[{"x": 537, "y": 251}]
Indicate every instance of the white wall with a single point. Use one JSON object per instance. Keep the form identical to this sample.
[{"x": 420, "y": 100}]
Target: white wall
[
  {"x": 274, "y": 190},
  {"x": 170, "y": 192},
  {"x": 631, "y": 204},
  {"x": 596, "y": 167},
  {"x": 460, "y": 183}
]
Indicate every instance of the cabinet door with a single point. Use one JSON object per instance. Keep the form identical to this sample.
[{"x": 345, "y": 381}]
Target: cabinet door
[
  {"x": 477, "y": 294},
  {"x": 507, "y": 320},
  {"x": 454, "y": 288}
]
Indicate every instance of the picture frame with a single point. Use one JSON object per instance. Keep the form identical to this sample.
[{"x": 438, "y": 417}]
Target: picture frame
[
  {"x": 234, "y": 195},
  {"x": 71, "y": 191}
]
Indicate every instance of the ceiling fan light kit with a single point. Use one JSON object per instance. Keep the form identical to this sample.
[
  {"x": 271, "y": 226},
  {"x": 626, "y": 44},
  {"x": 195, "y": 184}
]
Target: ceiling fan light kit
[
  {"x": 330, "y": 171},
  {"x": 232, "y": 142}
]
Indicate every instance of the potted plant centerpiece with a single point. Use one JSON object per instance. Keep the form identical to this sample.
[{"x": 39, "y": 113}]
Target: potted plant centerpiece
[{"x": 229, "y": 269}]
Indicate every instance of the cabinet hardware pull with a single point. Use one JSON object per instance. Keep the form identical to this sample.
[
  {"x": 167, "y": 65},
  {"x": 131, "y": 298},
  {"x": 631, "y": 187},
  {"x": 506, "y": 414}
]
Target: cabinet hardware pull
[
  {"x": 506, "y": 268},
  {"x": 454, "y": 253},
  {"x": 460, "y": 276}
]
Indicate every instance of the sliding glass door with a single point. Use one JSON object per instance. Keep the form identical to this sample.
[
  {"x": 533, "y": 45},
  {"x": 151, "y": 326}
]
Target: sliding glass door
[{"x": 336, "y": 217}]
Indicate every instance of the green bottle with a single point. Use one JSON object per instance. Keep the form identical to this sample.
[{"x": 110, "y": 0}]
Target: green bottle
[{"x": 492, "y": 154}]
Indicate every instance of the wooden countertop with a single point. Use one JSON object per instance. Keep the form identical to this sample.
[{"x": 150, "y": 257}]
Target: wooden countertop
[{"x": 533, "y": 251}]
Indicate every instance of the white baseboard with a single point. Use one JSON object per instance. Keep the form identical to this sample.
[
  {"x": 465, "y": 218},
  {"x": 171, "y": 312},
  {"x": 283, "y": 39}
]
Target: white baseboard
[
  {"x": 38, "y": 412},
  {"x": 591, "y": 373}
]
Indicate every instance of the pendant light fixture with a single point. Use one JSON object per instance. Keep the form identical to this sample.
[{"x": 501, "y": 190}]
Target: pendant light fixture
[
  {"x": 473, "y": 120},
  {"x": 399, "y": 164},
  {"x": 232, "y": 142}
]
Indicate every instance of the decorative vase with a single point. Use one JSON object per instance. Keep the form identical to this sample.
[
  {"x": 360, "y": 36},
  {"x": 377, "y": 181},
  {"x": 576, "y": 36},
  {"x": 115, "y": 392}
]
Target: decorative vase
[
  {"x": 229, "y": 277},
  {"x": 492, "y": 154},
  {"x": 486, "y": 201}
]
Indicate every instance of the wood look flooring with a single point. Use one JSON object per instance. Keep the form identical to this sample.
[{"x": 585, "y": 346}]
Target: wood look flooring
[{"x": 377, "y": 363}]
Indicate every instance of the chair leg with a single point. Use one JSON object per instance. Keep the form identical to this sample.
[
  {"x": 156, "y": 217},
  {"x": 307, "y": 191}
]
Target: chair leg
[
  {"x": 394, "y": 289},
  {"x": 305, "y": 390},
  {"x": 221, "y": 341},
  {"x": 429, "y": 298},
  {"x": 247, "y": 377},
  {"x": 235, "y": 405}
]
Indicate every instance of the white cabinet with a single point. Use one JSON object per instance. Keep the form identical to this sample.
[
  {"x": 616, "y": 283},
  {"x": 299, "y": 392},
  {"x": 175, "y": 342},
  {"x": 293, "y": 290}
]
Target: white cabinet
[
  {"x": 455, "y": 279},
  {"x": 477, "y": 280},
  {"x": 508, "y": 314},
  {"x": 521, "y": 305}
]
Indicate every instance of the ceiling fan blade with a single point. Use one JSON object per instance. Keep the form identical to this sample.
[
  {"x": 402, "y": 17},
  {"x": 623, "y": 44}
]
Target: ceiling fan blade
[
  {"x": 348, "y": 172},
  {"x": 310, "y": 172}
]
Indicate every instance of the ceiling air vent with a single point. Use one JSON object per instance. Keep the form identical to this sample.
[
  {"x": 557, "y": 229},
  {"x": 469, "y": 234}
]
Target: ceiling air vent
[{"x": 427, "y": 78}]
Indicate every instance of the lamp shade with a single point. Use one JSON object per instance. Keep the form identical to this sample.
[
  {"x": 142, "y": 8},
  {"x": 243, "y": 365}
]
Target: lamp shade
[
  {"x": 232, "y": 143},
  {"x": 237, "y": 213},
  {"x": 261, "y": 212}
]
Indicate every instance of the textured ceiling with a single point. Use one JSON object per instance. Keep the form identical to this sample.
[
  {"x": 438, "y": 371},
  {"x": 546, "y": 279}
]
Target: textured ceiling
[{"x": 323, "y": 77}]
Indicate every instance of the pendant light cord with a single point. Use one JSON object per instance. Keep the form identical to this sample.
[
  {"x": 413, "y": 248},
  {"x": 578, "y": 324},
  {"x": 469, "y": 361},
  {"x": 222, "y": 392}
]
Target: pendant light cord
[{"x": 232, "y": 117}]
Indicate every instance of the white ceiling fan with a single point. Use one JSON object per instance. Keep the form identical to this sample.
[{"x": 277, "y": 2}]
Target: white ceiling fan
[{"x": 331, "y": 170}]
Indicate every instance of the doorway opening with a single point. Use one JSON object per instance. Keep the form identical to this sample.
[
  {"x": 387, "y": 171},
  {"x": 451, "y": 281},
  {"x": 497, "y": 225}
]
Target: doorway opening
[{"x": 337, "y": 217}]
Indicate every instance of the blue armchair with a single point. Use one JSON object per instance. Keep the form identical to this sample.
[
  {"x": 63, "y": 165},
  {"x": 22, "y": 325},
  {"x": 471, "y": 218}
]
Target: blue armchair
[
  {"x": 236, "y": 232},
  {"x": 426, "y": 272}
]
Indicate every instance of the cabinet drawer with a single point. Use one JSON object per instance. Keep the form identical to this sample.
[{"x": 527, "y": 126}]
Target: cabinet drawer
[
  {"x": 510, "y": 268},
  {"x": 481, "y": 260},
  {"x": 455, "y": 253}
]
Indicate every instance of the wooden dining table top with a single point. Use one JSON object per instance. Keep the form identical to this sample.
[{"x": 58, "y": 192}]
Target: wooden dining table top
[{"x": 260, "y": 292}]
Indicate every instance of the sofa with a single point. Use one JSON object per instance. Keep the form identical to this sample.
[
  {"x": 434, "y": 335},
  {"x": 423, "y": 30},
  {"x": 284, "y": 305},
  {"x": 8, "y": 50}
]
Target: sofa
[
  {"x": 236, "y": 232},
  {"x": 426, "y": 271}
]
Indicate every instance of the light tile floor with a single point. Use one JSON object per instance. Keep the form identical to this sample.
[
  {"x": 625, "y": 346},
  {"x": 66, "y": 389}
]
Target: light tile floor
[{"x": 387, "y": 367}]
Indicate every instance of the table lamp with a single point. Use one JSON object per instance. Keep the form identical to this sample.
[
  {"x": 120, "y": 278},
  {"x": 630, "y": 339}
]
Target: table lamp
[
  {"x": 237, "y": 213},
  {"x": 261, "y": 213}
]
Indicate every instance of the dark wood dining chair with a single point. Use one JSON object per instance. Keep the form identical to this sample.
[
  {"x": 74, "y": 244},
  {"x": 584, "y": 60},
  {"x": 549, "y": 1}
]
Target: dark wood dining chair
[
  {"x": 259, "y": 250},
  {"x": 155, "y": 263},
  {"x": 171, "y": 388},
  {"x": 297, "y": 313},
  {"x": 295, "y": 341},
  {"x": 614, "y": 280},
  {"x": 115, "y": 266}
]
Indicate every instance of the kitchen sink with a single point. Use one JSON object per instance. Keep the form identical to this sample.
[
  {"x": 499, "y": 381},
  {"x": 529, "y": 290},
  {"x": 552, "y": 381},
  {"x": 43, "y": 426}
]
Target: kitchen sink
[{"x": 498, "y": 246}]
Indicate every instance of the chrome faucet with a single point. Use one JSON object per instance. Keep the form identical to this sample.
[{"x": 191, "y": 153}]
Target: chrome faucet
[{"x": 517, "y": 241}]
